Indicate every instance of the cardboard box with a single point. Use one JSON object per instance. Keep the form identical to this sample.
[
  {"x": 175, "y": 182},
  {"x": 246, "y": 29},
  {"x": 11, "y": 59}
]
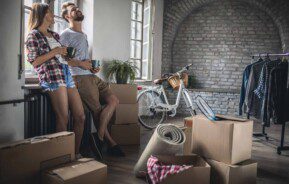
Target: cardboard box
[
  {"x": 126, "y": 114},
  {"x": 84, "y": 170},
  {"x": 244, "y": 172},
  {"x": 188, "y": 123},
  {"x": 228, "y": 140},
  {"x": 126, "y": 93},
  {"x": 22, "y": 161},
  {"x": 126, "y": 134},
  {"x": 199, "y": 173}
]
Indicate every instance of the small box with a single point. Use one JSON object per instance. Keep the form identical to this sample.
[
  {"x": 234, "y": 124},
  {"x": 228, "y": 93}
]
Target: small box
[
  {"x": 84, "y": 170},
  {"x": 228, "y": 140},
  {"x": 199, "y": 173},
  {"x": 126, "y": 114},
  {"x": 188, "y": 123},
  {"x": 128, "y": 134},
  {"x": 244, "y": 172},
  {"x": 126, "y": 93},
  {"x": 23, "y": 161}
]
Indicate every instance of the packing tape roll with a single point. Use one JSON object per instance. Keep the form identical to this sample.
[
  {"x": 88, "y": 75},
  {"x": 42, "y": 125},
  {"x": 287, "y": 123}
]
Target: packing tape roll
[{"x": 167, "y": 139}]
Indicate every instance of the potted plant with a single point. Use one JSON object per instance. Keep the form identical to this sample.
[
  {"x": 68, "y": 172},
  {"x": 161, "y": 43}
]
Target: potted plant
[{"x": 121, "y": 71}]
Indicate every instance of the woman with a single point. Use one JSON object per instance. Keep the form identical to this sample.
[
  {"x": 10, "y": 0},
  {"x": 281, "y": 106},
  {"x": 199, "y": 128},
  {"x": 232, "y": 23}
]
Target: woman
[{"x": 46, "y": 55}]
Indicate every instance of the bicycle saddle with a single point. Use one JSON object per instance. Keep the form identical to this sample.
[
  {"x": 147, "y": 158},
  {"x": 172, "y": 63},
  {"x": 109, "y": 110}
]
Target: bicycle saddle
[{"x": 158, "y": 81}]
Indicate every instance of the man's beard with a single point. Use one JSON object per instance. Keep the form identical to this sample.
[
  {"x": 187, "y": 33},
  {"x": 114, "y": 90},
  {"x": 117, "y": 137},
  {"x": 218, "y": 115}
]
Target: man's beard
[{"x": 79, "y": 18}]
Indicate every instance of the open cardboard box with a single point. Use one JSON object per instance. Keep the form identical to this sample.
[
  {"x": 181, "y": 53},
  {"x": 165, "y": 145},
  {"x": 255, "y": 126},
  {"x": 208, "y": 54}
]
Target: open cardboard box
[
  {"x": 228, "y": 140},
  {"x": 198, "y": 174},
  {"x": 244, "y": 172},
  {"x": 22, "y": 161}
]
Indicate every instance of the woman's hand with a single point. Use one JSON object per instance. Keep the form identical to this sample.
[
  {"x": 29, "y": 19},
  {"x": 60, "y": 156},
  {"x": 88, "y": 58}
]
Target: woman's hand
[
  {"x": 86, "y": 65},
  {"x": 60, "y": 50},
  {"x": 95, "y": 70}
]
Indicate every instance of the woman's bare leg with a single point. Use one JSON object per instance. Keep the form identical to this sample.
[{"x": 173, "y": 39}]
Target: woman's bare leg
[
  {"x": 77, "y": 111},
  {"x": 59, "y": 103}
]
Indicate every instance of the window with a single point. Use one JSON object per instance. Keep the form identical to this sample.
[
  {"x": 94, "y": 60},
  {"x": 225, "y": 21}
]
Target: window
[
  {"x": 58, "y": 27},
  {"x": 140, "y": 37}
]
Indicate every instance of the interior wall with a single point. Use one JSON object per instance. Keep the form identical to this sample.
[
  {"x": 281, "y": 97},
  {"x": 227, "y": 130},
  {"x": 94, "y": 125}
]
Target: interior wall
[
  {"x": 219, "y": 39},
  {"x": 87, "y": 7},
  {"x": 111, "y": 30},
  {"x": 175, "y": 13},
  {"x": 11, "y": 117},
  {"x": 157, "y": 39}
]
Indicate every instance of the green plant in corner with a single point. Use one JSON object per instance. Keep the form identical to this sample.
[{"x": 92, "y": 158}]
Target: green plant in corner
[{"x": 121, "y": 71}]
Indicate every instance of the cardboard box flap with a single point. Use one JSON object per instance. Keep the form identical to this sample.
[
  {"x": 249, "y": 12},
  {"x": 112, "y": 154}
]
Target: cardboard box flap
[
  {"x": 76, "y": 169},
  {"x": 244, "y": 172},
  {"x": 188, "y": 121},
  {"x": 35, "y": 140},
  {"x": 223, "y": 117},
  {"x": 245, "y": 163},
  {"x": 193, "y": 159},
  {"x": 59, "y": 134}
]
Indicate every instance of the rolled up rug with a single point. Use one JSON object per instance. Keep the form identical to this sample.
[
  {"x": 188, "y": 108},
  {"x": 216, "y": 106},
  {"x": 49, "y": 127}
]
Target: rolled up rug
[{"x": 167, "y": 139}]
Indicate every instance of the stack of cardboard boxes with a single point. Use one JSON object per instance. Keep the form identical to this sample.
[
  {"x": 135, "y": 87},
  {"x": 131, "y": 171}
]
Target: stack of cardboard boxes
[
  {"x": 226, "y": 145},
  {"x": 125, "y": 129},
  {"x": 48, "y": 159}
]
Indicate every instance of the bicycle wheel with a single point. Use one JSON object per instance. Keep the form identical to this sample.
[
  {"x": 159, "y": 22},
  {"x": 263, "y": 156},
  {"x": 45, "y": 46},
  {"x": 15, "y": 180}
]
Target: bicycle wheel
[{"x": 148, "y": 116}]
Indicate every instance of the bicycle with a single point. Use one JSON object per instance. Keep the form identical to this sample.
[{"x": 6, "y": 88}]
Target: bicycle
[{"x": 153, "y": 102}]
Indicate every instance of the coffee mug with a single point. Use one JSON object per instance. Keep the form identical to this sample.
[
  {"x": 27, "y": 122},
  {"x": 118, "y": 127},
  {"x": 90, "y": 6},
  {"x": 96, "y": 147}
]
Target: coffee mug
[
  {"x": 95, "y": 63},
  {"x": 71, "y": 52}
]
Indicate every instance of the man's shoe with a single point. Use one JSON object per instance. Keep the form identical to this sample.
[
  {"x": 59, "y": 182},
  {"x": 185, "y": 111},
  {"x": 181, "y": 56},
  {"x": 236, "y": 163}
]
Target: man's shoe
[
  {"x": 96, "y": 146},
  {"x": 115, "y": 151}
]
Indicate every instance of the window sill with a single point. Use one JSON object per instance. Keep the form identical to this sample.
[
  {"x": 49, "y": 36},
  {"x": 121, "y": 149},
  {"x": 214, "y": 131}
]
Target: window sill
[
  {"x": 143, "y": 82},
  {"x": 31, "y": 87},
  {"x": 31, "y": 80}
]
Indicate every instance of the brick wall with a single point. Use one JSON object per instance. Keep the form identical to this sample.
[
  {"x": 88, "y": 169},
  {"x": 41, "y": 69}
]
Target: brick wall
[
  {"x": 177, "y": 11},
  {"x": 220, "y": 102},
  {"x": 219, "y": 39},
  {"x": 218, "y": 36}
]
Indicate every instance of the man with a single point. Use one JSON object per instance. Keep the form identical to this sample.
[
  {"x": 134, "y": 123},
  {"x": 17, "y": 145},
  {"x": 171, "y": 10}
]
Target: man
[{"x": 91, "y": 88}]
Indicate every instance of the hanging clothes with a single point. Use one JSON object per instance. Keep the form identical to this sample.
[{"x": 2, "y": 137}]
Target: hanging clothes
[
  {"x": 277, "y": 102},
  {"x": 265, "y": 91},
  {"x": 251, "y": 101},
  {"x": 246, "y": 75},
  {"x": 262, "y": 90}
]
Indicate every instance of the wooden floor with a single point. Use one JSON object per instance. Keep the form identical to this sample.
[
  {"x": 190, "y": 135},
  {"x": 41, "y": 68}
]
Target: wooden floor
[{"x": 272, "y": 168}]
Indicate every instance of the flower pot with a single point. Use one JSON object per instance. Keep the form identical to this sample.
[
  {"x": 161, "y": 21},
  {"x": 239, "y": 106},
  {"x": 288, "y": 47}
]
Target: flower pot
[{"x": 121, "y": 79}]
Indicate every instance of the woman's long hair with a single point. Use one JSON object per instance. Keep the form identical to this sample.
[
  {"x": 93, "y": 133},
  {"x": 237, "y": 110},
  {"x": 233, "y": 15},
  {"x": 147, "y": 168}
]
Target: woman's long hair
[{"x": 37, "y": 14}]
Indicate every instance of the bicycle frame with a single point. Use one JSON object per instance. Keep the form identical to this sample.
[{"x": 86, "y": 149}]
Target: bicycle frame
[{"x": 165, "y": 107}]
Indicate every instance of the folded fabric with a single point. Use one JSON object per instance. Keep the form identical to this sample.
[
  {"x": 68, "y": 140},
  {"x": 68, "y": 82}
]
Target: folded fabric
[{"x": 158, "y": 171}]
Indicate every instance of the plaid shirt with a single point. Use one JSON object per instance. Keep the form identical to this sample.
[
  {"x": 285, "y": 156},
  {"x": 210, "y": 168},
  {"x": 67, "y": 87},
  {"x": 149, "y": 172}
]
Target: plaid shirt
[
  {"x": 158, "y": 172},
  {"x": 37, "y": 45}
]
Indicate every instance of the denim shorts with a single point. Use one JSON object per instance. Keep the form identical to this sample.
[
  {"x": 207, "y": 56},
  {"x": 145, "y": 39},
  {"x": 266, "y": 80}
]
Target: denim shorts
[{"x": 54, "y": 86}]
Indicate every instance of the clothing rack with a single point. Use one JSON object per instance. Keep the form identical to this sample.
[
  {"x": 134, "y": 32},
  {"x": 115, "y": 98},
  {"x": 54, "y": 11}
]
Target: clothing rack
[
  {"x": 281, "y": 147},
  {"x": 267, "y": 54}
]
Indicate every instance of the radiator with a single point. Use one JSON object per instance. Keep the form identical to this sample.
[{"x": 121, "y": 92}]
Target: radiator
[{"x": 40, "y": 118}]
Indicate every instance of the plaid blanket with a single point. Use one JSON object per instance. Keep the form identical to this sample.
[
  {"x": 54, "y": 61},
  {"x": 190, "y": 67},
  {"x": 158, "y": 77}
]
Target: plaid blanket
[{"x": 157, "y": 171}]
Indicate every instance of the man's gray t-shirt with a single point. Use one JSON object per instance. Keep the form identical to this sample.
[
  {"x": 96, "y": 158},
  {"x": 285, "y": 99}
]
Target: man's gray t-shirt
[{"x": 70, "y": 38}]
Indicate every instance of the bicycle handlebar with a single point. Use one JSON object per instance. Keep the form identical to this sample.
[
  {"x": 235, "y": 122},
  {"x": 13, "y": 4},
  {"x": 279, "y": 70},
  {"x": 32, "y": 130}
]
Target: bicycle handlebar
[
  {"x": 177, "y": 73},
  {"x": 184, "y": 69}
]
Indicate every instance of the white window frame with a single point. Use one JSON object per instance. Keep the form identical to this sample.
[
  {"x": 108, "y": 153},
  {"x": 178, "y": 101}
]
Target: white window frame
[{"x": 148, "y": 53}]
